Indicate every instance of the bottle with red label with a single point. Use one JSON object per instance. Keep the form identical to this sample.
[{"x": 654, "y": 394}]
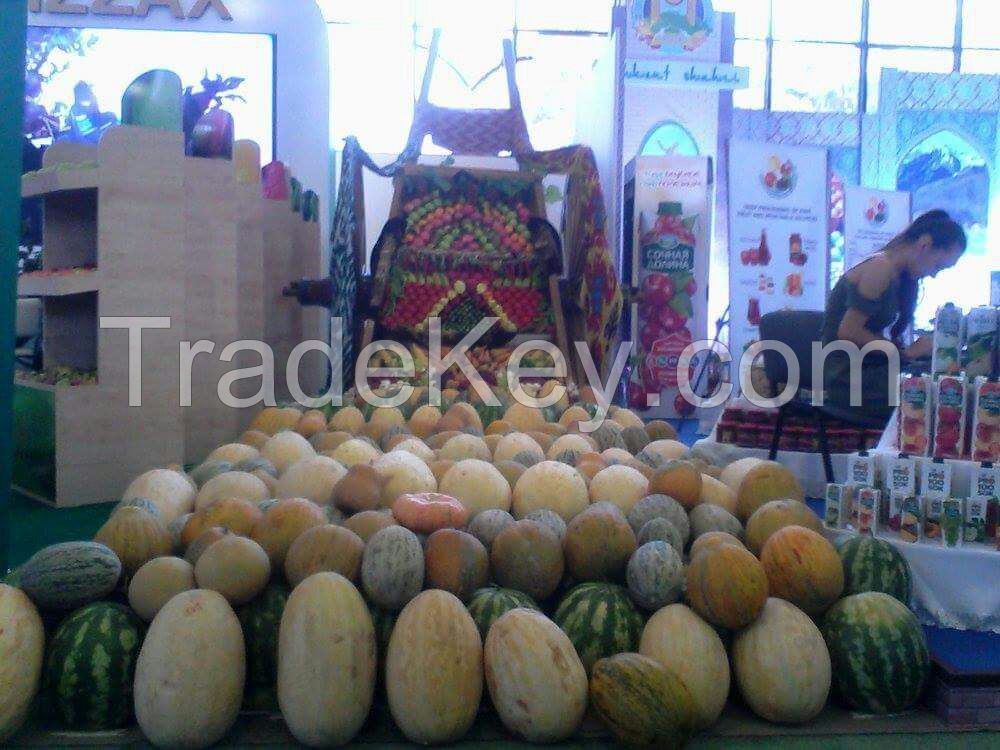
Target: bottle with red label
[{"x": 753, "y": 312}]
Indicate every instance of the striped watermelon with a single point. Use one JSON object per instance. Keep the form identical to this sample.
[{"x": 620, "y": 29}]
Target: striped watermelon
[
  {"x": 875, "y": 565},
  {"x": 489, "y": 603},
  {"x": 91, "y": 665},
  {"x": 67, "y": 576},
  {"x": 601, "y": 621},
  {"x": 878, "y": 652},
  {"x": 260, "y": 620}
]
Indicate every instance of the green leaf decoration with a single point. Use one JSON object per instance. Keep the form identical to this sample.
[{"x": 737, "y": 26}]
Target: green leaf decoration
[
  {"x": 553, "y": 194},
  {"x": 690, "y": 222},
  {"x": 681, "y": 304},
  {"x": 681, "y": 279}
]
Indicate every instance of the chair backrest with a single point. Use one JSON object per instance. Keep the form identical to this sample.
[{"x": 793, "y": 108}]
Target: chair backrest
[{"x": 797, "y": 329}]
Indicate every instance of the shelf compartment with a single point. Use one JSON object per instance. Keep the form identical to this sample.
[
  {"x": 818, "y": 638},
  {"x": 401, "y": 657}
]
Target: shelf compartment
[
  {"x": 70, "y": 332},
  {"x": 62, "y": 285},
  {"x": 35, "y": 185}
]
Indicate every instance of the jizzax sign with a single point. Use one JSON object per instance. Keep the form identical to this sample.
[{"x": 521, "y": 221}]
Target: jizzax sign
[{"x": 186, "y": 9}]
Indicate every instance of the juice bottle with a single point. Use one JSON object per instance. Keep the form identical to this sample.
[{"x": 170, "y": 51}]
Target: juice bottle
[
  {"x": 764, "y": 252},
  {"x": 753, "y": 312}
]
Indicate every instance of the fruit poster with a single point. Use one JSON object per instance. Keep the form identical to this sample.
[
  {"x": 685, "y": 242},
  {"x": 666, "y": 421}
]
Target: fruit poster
[
  {"x": 871, "y": 219},
  {"x": 670, "y": 243},
  {"x": 778, "y": 242},
  {"x": 673, "y": 29}
]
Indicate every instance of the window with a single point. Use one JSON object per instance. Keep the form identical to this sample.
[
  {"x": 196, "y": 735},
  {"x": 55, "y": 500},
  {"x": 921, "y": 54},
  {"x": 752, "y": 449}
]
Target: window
[
  {"x": 379, "y": 52},
  {"x": 829, "y": 57}
]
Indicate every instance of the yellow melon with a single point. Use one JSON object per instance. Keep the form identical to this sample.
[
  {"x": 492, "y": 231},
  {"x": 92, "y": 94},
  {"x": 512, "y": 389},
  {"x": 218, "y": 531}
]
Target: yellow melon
[
  {"x": 628, "y": 418},
  {"x": 349, "y": 420},
  {"x": 157, "y": 582},
  {"x": 578, "y": 443},
  {"x": 233, "y": 453},
  {"x": 170, "y": 491},
  {"x": 423, "y": 421},
  {"x": 517, "y": 442},
  {"x": 313, "y": 478},
  {"x": 775, "y": 515},
  {"x": 714, "y": 492},
  {"x": 355, "y": 451},
  {"x": 574, "y": 414},
  {"x": 402, "y": 472},
  {"x": 236, "y": 567},
  {"x": 668, "y": 450},
  {"x": 465, "y": 446},
  {"x": 385, "y": 418},
  {"x": 621, "y": 485},
  {"x": 273, "y": 420},
  {"x": 416, "y": 446},
  {"x": 254, "y": 438},
  {"x": 550, "y": 485},
  {"x": 524, "y": 418},
  {"x": 328, "y": 441},
  {"x": 286, "y": 448},
  {"x": 681, "y": 481},
  {"x": 478, "y": 485},
  {"x": 310, "y": 423},
  {"x": 756, "y": 482},
  {"x": 232, "y": 484}
]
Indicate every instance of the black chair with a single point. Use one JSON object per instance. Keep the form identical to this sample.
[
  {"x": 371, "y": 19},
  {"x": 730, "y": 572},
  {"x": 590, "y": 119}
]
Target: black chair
[{"x": 799, "y": 329}]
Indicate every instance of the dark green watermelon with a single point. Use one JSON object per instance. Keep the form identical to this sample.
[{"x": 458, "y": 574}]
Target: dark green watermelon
[
  {"x": 601, "y": 620},
  {"x": 872, "y": 564},
  {"x": 91, "y": 665},
  {"x": 488, "y": 604},
  {"x": 261, "y": 620},
  {"x": 878, "y": 653}
]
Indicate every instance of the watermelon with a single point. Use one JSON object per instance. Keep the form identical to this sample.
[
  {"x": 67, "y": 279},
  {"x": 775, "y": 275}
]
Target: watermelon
[
  {"x": 878, "y": 652},
  {"x": 260, "y": 620},
  {"x": 489, "y": 603},
  {"x": 601, "y": 621},
  {"x": 67, "y": 576},
  {"x": 91, "y": 665},
  {"x": 875, "y": 565}
]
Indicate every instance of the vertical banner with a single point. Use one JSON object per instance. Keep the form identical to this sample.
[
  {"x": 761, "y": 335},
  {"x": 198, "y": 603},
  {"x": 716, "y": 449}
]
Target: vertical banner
[
  {"x": 779, "y": 211},
  {"x": 671, "y": 240},
  {"x": 871, "y": 219}
]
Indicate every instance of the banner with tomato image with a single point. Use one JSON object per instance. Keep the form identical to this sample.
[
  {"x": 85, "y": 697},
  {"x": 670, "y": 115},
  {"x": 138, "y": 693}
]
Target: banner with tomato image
[
  {"x": 871, "y": 219},
  {"x": 670, "y": 247},
  {"x": 779, "y": 255}
]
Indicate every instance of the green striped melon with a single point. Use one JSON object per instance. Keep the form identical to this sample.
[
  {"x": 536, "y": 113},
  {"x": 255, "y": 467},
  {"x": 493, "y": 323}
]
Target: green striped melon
[
  {"x": 878, "y": 652},
  {"x": 67, "y": 576},
  {"x": 601, "y": 620},
  {"x": 260, "y": 620},
  {"x": 875, "y": 565},
  {"x": 488, "y": 604},
  {"x": 91, "y": 664}
]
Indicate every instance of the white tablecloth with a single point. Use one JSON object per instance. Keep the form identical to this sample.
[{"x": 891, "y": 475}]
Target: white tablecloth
[{"x": 952, "y": 588}]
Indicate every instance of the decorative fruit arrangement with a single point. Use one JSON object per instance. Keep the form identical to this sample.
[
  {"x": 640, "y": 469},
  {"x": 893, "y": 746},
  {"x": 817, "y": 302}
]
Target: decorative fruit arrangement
[{"x": 392, "y": 585}]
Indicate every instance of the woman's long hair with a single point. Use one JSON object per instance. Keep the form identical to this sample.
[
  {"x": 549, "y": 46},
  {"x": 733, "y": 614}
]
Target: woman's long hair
[{"x": 944, "y": 232}]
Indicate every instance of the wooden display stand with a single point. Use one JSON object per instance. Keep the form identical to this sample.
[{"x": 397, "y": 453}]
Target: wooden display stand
[{"x": 153, "y": 234}]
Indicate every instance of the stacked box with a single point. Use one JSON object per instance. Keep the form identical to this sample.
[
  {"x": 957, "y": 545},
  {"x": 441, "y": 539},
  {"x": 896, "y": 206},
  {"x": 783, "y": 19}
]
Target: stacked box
[
  {"x": 946, "y": 358},
  {"x": 986, "y": 420},
  {"x": 914, "y": 422},
  {"x": 949, "y": 417}
]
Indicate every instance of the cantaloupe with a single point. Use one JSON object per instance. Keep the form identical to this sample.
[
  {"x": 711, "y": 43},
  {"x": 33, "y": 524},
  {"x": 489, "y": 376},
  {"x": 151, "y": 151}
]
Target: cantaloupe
[
  {"x": 756, "y": 482},
  {"x": 324, "y": 549},
  {"x": 355, "y": 451},
  {"x": 136, "y": 536},
  {"x": 727, "y": 586},
  {"x": 285, "y": 448},
  {"x": 464, "y": 446},
  {"x": 478, "y": 485},
  {"x": 679, "y": 480},
  {"x": 598, "y": 544},
  {"x": 528, "y": 556},
  {"x": 713, "y": 539},
  {"x": 157, "y": 582},
  {"x": 313, "y": 478},
  {"x": 684, "y": 643},
  {"x": 621, "y": 485},
  {"x": 190, "y": 673},
  {"x": 457, "y": 562},
  {"x": 551, "y": 485},
  {"x": 233, "y": 453},
  {"x": 775, "y": 515},
  {"x": 658, "y": 429},
  {"x": 402, "y": 472},
  {"x": 616, "y": 456},
  {"x": 233, "y": 513},
  {"x": 714, "y": 492},
  {"x": 326, "y": 661},
  {"x": 239, "y": 484},
  {"x": 283, "y": 523},
  {"x": 349, "y": 419},
  {"x": 170, "y": 491},
  {"x": 236, "y": 567},
  {"x": 707, "y": 518}
]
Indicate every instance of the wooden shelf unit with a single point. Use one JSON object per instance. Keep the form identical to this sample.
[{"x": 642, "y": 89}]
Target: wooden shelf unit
[{"x": 161, "y": 235}]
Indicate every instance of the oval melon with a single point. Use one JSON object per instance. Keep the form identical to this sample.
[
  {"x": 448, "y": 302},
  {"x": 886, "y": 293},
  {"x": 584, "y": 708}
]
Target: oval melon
[
  {"x": 706, "y": 518},
  {"x": 321, "y": 549},
  {"x": 234, "y": 566},
  {"x": 756, "y": 482},
  {"x": 367, "y": 523},
  {"x": 478, "y": 485},
  {"x": 679, "y": 480},
  {"x": 551, "y": 485},
  {"x": 313, "y": 478},
  {"x": 401, "y": 473},
  {"x": 157, "y": 582},
  {"x": 782, "y": 665},
  {"x": 190, "y": 672},
  {"x": 456, "y": 562},
  {"x": 22, "y": 647},
  {"x": 349, "y": 419},
  {"x": 528, "y": 556},
  {"x": 714, "y": 492},
  {"x": 713, "y": 539},
  {"x": 804, "y": 568},
  {"x": 392, "y": 568},
  {"x": 236, "y": 514},
  {"x": 424, "y": 420},
  {"x": 285, "y": 448},
  {"x": 524, "y": 418},
  {"x": 598, "y": 544},
  {"x": 355, "y": 451},
  {"x": 621, "y": 485},
  {"x": 283, "y": 523},
  {"x": 170, "y": 491},
  {"x": 684, "y": 643},
  {"x": 727, "y": 586},
  {"x": 326, "y": 661},
  {"x": 536, "y": 681},
  {"x": 136, "y": 536},
  {"x": 233, "y": 453},
  {"x": 775, "y": 515},
  {"x": 434, "y": 669},
  {"x": 231, "y": 484},
  {"x": 515, "y": 443}
]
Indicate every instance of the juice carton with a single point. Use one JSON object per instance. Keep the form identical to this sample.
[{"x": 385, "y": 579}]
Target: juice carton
[
  {"x": 952, "y": 521},
  {"x": 975, "y": 519},
  {"x": 986, "y": 420},
  {"x": 911, "y": 522},
  {"x": 947, "y": 340},
  {"x": 986, "y": 483},
  {"x": 901, "y": 475},
  {"x": 834, "y": 498},
  {"x": 981, "y": 328},
  {"x": 933, "y": 508},
  {"x": 935, "y": 479},
  {"x": 914, "y": 417},
  {"x": 894, "y": 516},
  {"x": 949, "y": 433},
  {"x": 866, "y": 511},
  {"x": 848, "y": 501},
  {"x": 861, "y": 469}
]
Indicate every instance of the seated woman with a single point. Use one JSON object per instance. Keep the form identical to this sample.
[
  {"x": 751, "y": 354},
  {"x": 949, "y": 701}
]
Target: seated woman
[{"x": 878, "y": 293}]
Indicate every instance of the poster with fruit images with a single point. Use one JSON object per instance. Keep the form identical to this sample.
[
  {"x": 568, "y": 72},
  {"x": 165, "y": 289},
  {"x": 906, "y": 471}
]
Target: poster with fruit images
[
  {"x": 673, "y": 29},
  {"x": 778, "y": 242},
  {"x": 871, "y": 219},
  {"x": 670, "y": 247}
]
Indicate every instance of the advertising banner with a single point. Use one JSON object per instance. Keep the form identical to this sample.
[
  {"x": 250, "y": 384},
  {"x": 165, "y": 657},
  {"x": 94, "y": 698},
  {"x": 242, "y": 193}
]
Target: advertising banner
[
  {"x": 871, "y": 219},
  {"x": 672, "y": 29},
  {"x": 778, "y": 240},
  {"x": 671, "y": 238}
]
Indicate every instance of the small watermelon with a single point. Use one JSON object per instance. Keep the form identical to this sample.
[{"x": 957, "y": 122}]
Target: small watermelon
[
  {"x": 601, "y": 620},
  {"x": 875, "y": 565},
  {"x": 91, "y": 666},
  {"x": 261, "y": 619},
  {"x": 488, "y": 604},
  {"x": 878, "y": 652}
]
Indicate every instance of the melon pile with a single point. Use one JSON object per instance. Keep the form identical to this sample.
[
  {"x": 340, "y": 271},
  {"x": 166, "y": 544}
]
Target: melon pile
[{"x": 424, "y": 559}]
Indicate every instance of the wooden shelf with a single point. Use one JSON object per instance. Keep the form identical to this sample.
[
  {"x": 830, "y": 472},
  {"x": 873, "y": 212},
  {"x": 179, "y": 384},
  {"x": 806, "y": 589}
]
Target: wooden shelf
[
  {"x": 32, "y": 285},
  {"x": 68, "y": 180},
  {"x": 51, "y": 388}
]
